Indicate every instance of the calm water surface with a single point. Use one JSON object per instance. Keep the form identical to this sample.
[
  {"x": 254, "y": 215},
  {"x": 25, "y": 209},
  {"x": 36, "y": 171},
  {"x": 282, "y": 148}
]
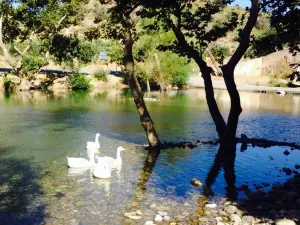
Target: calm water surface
[{"x": 39, "y": 130}]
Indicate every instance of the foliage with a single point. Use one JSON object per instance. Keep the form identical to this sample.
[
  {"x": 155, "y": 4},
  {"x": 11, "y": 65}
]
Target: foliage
[
  {"x": 32, "y": 62},
  {"x": 9, "y": 85},
  {"x": 115, "y": 52},
  {"x": 101, "y": 75},
  {"x": 79, "y": 83},
  {"x": 220, "y": 52}
]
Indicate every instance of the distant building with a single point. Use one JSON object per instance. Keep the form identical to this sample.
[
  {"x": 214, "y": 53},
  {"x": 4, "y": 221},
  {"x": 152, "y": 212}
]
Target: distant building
[{"x": 103, "y": 56}]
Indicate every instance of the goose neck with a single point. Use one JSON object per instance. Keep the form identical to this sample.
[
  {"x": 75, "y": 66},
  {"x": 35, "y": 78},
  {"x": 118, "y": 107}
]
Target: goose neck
[{"x": 118, "y": 155}]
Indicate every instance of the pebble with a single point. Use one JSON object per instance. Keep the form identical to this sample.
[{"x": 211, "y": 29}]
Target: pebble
[
  {"x": 130, "y": 214},
  {"x": 185, "y": 214},
  {"x": 285, "y": 222},
  {"x": 286, "y": 152},
  {"x": 162, "y": 213},
  {"x": 211, "y": 206},
  {"x": 227, "y": 203},
  {"x": 219, "y": 219},
  {"x": 138, "y": 212},
  {"x": 297, "y": 167},
  {"x": 223, "y": 213},
  {"x": 235, "y": 219},
  {"x": 231, "y": 209},
  {"x": 203, "y": 219},
  {"x": 149, "y": 222},
  {"x": 134, "y": 217},
  {"x": 248, "y": 219},
  {"x": 153, "y": 206},
  {"x": 166, "y": 218},
  {"x": 158, "y": 218}
]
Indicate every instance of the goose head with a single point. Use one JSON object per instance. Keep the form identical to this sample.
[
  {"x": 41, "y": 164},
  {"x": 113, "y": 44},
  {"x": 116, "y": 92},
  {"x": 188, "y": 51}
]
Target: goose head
[{"x": 120, "y": 148}]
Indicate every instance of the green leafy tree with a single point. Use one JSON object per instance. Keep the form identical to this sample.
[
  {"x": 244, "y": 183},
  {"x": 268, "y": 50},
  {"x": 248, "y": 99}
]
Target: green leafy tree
[
  {"x": 220, "y": 52},
  {"x": 21, "y": 21},
  {"x": 195, "y": 29}
]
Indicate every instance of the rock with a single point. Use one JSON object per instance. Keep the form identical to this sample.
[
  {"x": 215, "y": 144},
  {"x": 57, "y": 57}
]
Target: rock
[
  {"x": 180, "y": 218},
  {"x": 239, "y": 212},
  {"x": 286, "y": 152},
  {"x": 203, "y": 219},
  {"x": 149, "y": 222},
  {"x": 231, "y": 209},
  {"x": 134, "y": 217},
  {"x": 162, "y": 213},
  {"x": 158, "y": 218},
  {"x": 211, "y": 206},
  {"x": 138, "y": 212},
  {"x": 284, "y": 222},
  {"x": 153, "y": 206},
  {"x": 172, "y": 223},
  {"x": 297, "y": 167},
  {"x": 244, "y": 138},
  {"x": 223, "y": 213},
  {"x": 248, "y": 219},
  {"x": 220, "y": 223},
  {"x": 25, "y": 85},
  {"x": 15, "y": 79},
  {"x": 196, "y": 182},
  {"x": 219, "y": 219},
  {"x": 287, "y": 171},
  {"x": 166, "y": 218},
  {"x": 235, "y": 219},
  {"x": 129, "y": 214},
  {"x": 185, "y": 214},
  {"x": 229, "y": 202},
  {"x": 60, "y": 83}
]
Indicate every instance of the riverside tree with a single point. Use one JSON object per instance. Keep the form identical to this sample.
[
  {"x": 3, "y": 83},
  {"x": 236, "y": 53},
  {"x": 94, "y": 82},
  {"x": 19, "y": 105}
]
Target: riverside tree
[
  {"x": 22, "y": 21},
  {"x": 121, "y": 26},
  {"x": 193, "y": 24}
]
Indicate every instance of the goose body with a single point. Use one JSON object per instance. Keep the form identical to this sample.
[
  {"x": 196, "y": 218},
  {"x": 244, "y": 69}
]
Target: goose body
[
  {"x": 74, "y": 162},
  {"x": 93, "y": 144},
  {"x": 113, "y": 163},
  {"x": 102, "y": 170}
]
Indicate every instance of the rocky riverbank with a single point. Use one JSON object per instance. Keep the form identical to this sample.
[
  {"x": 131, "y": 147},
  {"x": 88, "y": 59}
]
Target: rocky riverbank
[{"x": 52, "y": 82}]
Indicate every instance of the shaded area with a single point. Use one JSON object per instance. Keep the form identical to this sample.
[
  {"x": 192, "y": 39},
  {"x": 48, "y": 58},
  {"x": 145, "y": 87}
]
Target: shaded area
[{"x": 19, "y": 191}]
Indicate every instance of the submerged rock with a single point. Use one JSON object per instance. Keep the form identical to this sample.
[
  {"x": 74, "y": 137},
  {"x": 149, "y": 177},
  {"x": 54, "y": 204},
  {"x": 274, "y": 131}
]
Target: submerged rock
[
  {"x": 196, "y": 182},
  {"x": 297, "y": 167},
  {"x": 211, "y": 206},
  {"x": 286, "y": 152},
  {"x": 285, "y": 222},
  {"x": 235, "y": 219},
  {"x": 287, "y": 171}
]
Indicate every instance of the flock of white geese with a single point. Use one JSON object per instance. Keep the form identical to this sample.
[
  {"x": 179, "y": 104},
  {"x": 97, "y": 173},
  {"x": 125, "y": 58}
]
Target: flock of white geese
[{"x": 101, "y": 169}]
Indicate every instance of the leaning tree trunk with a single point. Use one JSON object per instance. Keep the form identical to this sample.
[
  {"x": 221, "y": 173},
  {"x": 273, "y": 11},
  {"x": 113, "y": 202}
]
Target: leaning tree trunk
[
  {"x": 145, "y": 118},
  {"x": 210, "y": 98}
]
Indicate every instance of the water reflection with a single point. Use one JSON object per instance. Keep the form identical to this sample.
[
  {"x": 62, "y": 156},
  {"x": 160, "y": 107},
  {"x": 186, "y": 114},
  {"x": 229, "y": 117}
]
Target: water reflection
[
  {"x": 225, "y": 158},
  {"x": 104, "y": 184}
]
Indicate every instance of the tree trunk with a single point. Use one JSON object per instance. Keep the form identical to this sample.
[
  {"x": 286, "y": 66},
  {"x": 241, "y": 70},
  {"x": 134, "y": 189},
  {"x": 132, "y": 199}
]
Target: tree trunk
[
  {"x": 145, "y": 118},
  {"x": 235, "y": 106},
  {"x": 148, "y": 85},
  {"x": 210, "y": 98}
]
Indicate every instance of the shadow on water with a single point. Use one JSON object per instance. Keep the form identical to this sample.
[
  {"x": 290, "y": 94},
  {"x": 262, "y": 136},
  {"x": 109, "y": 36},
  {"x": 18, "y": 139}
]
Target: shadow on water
[
  {"x": 144, "y": 177},
  {"x": 19, "y": 191},
  {"x": 225, "y": 159}
]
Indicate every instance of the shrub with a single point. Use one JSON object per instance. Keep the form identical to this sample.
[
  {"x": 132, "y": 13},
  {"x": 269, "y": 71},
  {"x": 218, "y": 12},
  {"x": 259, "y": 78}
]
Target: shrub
[
  {"x": 220, "y": 52},
  {"x": 101, "y": 75},
  {"x": 9, "y": 85},
  {"x": 32, "y": 63},
  {"x": 80, "y": 83}
]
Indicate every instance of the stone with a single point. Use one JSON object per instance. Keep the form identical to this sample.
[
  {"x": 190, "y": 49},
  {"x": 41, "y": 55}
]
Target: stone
[
  {"x": 239, "y": 212},
  {"x": 297, "y": 167},
  {"x": 196, "y": 182},
  {"x": 248, "y": 219},
  {"x": 231, "y": 209},
  {"x": 166, "y": 218},
  {"x": 185, "y": 214},
  {"x": 158, "y": 218},
  {"x": 235, "y": 219},
  {"x": 60, "y": 83},
  {"x": 287, "y": 171},
  {"x": 211, "y": 206},
  {"x": 223, "y": 213},
  {"x": 219, "y": 219},
  {"x": 286, "y": 152},
  {"x": 149, "y": 222},
  {"x": 130, "y": 214},
  {"x": 134, "y": 217},
  {"x": 203, "y": 219},
  {"x": 180, "y": 218},
  {"x": 153, "y": 206},
  {"x": 220, "y": 223},
  {"x": 284, "y": 222},
  {"x": 162, "y": 213},
  {"x": 228, "y": 202},
  {"x": 172, "y": 223},
  {"x": 138, "y": 212},
  {"x": 25, "y": 85}
]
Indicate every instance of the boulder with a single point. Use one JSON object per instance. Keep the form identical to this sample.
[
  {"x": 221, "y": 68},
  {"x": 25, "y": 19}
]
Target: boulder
[
  {"x": 284, "y": 222},
  {"x": 25, "y": 85}
]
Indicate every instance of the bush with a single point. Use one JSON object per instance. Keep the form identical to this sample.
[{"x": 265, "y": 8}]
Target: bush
[
  {"x": 220, "y": 52},
  {"x": 101, "y": 75},
  {"x": 32, "y": 63},
  {"x": 80, "y": 83},
  {"x": 9, "y": 85}
]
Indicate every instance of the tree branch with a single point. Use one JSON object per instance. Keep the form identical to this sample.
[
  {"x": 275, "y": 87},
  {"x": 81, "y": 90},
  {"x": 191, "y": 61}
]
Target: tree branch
[
  {"x": 6, "y": 54},
  {"x": 245, "y": 35}
]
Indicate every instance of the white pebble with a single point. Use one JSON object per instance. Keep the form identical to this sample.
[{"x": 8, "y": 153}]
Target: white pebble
[{"x": 158, "y": 218}]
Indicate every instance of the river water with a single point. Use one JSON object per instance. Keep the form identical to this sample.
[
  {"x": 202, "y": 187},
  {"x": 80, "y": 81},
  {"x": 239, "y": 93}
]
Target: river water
[{"x": 39, "y": 130}]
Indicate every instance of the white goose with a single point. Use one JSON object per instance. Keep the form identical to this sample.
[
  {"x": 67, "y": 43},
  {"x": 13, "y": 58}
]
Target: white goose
[
  {"x": 93, "y": 144},
  {"x": 113, "y": 163},
  {"x": 101, "y": 169},
  {"x": 82, "y": 162}
]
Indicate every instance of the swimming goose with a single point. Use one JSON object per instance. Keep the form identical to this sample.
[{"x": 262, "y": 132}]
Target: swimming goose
[
  {"x": 93, "y": 144},
  {"x": 113, "y": 163},
  {"x": 101, "y": 169},
  {"x": 82, "y": 162}
]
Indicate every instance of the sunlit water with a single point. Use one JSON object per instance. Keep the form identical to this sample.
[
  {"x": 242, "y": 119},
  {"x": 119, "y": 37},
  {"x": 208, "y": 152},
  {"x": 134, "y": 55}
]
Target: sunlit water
[{"x": 39, "y": 130}]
